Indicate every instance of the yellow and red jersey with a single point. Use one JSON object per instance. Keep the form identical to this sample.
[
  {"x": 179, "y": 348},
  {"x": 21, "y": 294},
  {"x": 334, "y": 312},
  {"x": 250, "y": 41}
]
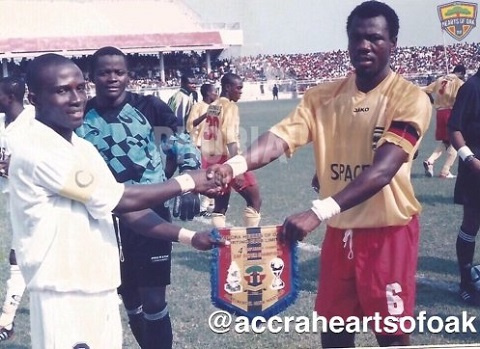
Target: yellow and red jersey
[
  {"x": 445, "y": 91},
  {"x": 198, "y": 109},
  {"x": 221, "y": 128},
  {"x": 346, "y": 126}
]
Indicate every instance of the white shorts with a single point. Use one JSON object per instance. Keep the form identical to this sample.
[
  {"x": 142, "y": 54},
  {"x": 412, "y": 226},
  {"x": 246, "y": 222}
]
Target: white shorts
[{"x": 61, "y": 320}]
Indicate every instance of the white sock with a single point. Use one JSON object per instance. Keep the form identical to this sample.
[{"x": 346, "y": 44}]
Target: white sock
[{"x": 15, "y": 289}]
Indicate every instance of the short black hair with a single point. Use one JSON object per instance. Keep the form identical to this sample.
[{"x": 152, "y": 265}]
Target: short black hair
[
  {"x": 105, "y": 51},
  {"x": 460, "y": 69},
  {"x": 229, "y": 78},
  {"x": 38, "y": 64},
  {"x": 14, "y": 86},
  {"x": 186, "y": 77},
  {"x": 205, "y": 88},
  {"x": 372, "y": 8}
]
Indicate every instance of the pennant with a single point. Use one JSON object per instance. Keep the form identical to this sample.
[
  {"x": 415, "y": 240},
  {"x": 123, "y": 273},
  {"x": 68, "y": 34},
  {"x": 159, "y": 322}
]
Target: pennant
[{"x": 256, "y": 275}]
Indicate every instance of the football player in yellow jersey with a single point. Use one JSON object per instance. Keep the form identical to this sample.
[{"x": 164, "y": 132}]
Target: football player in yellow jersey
[
  {"x": 365, "y": 130},
  {"x": 445, "y": 90},
  {"x": 198, "y": 113},
  {"x": 220, "y": 141},
  {"x": 195, "y": 124}
]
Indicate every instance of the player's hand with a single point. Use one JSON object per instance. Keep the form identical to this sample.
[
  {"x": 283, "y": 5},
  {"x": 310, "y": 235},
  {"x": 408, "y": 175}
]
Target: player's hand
[
  {"x": 298, "y": 225},
  {"x": 186, "y": 206},
  {"x": 239, "y": 181},
  {"x": 474, "y": 166},
  {"x": 223, "y": 174},
  {"x": 205, "y": 182},
  {"x": 204, "y": 241}
]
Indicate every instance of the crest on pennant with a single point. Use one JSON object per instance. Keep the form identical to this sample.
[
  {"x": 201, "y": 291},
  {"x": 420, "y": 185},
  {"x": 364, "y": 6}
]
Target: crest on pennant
[
  {"x": 256, "y": 275},
  {"x": 458, "y": 18}
]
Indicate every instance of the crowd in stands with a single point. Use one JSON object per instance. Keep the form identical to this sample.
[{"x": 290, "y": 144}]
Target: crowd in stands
[
  {"x": 420, "y": 63},
  {"x": 330, "y": 65}
]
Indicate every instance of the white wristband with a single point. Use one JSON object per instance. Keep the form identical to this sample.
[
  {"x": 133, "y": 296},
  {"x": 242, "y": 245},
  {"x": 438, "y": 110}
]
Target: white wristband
[
  {"x": 238, "y": 164},
  {"x": 185, "y": 236},
  {"x": 324, "y": 209},
  {"x": 464, "y": 151},
  {"x": 186, "y": 182}
]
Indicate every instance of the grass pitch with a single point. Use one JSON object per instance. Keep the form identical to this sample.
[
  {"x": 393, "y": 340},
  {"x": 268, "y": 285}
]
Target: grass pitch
[{"x": 285, "y": 189}]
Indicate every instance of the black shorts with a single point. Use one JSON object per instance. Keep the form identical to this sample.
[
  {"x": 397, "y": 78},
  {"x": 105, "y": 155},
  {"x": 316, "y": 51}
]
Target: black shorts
[
  {"x": 467, "y": 186},
  {"x": 146, "y": 261}
]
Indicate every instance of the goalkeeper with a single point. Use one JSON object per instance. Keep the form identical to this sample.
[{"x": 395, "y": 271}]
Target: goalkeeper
[{"x": 121, "y": 125}]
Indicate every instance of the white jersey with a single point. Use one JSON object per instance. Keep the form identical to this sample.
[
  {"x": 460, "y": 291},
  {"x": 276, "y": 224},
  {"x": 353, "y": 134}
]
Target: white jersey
[
  {"x": 23, "y": 118},
  {"x": 62, "y": 195}
]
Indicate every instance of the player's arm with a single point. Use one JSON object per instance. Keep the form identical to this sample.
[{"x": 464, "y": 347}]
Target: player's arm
[
  {"x": 232, "y": 149},
  {"x": 193, "y": 119},
  {"x": 148, "y": 223},
  {"x": 139, "y": 197},
  {"x": 459, "y": 121},
  {"x": 267, "y": 148},
  {"x": 387, "y": 161},
  {"x": 464, "y": 152},
  {"x": 199, "y": 120}
]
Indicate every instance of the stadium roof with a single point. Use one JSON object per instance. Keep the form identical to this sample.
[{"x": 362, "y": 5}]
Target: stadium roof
[{"x": 76, "y": 27}]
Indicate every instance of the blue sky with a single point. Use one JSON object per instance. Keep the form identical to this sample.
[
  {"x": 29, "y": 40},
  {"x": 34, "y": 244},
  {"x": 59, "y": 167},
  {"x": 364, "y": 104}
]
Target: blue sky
[{"x": 302, "y": 26}]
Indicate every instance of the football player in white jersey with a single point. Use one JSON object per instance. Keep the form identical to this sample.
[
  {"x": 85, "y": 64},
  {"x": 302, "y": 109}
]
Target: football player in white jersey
[
  {"x": 62, "y": 196},
  {"x": 365, "y": 130},
  {"x": 16, "y": 115}
]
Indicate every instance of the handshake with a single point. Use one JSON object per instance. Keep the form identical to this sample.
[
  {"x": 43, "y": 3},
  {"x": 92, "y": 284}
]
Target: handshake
[{"x": 211, "y": 182}]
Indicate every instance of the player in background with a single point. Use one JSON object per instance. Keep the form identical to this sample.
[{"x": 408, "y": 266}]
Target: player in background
[
  {"x": 195, "y": 125},
  {"x": 181, "y": 102},
  {"x": 365, "y": 130},
  {"x": 180, "y": 149},
  {"x": 444, "y": 91},
  {"x": 465, "y": 137},
  {"x": 62, "y": 195},
  {"x": 198, "y": 113},
  {"x": 16, "y": 116},
  {"x": 220, "y": 141},
  {"x": 120, "y": 124}
]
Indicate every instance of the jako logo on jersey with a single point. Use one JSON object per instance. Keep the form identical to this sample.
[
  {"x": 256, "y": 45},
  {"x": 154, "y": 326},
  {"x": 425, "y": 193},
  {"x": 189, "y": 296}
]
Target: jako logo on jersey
[
  {"x": 345, "y": 172},
  {"x": 361, "y": 109},
  {"x": 458, "y": 18}
]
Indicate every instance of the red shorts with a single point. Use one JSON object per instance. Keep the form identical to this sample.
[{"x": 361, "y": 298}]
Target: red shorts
[
  {"x": 373, "y": 273},
  {"x": 441, "y": 131},
  {"x": 240, "y": 182}
]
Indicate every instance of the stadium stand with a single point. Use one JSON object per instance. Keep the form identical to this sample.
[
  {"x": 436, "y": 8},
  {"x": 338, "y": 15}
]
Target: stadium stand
[{"x": 188, "y": 44}]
